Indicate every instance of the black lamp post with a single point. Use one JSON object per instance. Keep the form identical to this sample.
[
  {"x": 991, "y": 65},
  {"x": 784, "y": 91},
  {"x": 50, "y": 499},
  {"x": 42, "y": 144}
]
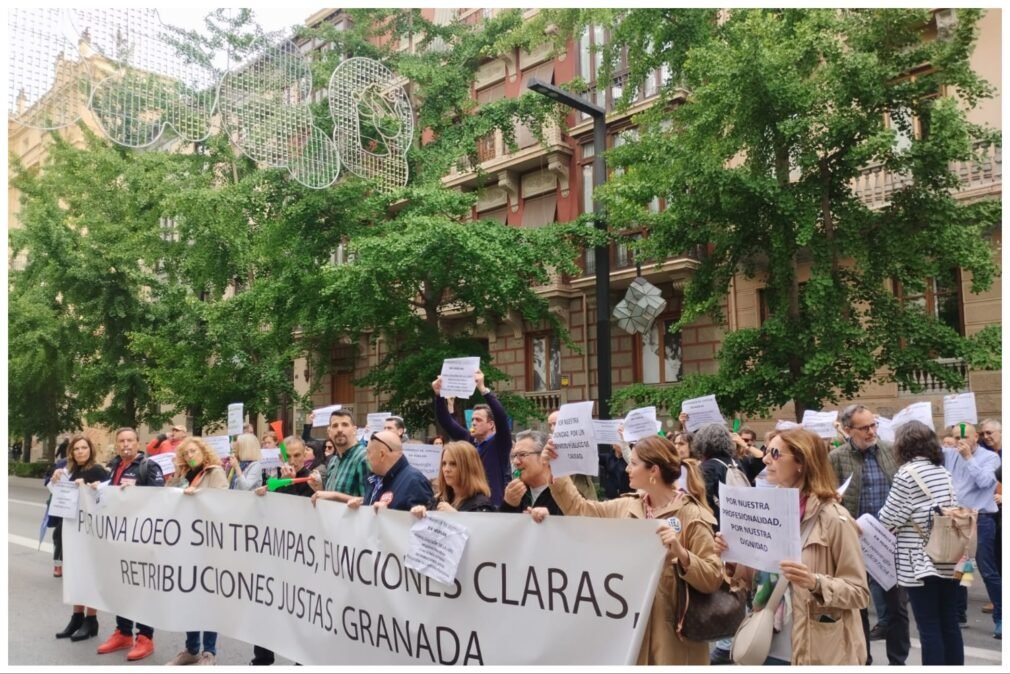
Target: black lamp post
[{"x": 599, "y": 116}]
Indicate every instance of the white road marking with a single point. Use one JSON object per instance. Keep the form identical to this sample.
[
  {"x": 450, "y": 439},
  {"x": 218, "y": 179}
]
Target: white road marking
[
  {"x": 27, "y": 503},
  {"x": 26, "y": 542}
]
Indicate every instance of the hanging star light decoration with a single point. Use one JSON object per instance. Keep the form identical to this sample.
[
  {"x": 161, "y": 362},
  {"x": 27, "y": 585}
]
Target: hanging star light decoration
[{"x": 641, "y": 306}]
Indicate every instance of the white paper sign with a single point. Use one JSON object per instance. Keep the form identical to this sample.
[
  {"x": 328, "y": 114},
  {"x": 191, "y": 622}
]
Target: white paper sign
[
  {"x": 465, "y": 622},
  {"x": 701, "y": 411},
  {"x": 879, "y": 546},
  {"x": 426, "y": 458},
  {"x": 783, "y": 425},
  {"x": 575, "y": 441},
  {"x": 821, "y": 423},
  {"x": 762, "y": 480},
  {"x": 760, "y": 526},
  {"x": 915, "y": 412},
  {"x": 321, "y": 416},
  {"x": 377, "y": 421},
  {"x": 236, "y": 418},
  {"x": 166, "y": 461},
  {"x": 220, "y": 444},
  {"x": 271, "y": 458},
  {"x": 844, "y": 487},
  {"x": 65, "y": 497},
  {"x": 457, "y": 377},
  {"x": 959, "y": 409},
  {"x": 435, "y": 548},
  {"x": 640, "y": 423},
  {"x": 606, "y": 431},
  {"x": 885, "y": 430}
]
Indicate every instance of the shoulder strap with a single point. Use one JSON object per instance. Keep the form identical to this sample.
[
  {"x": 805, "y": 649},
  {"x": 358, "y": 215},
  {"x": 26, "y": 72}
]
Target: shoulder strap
[
  {"x": 143, "y": 472},
  {"x": 918, "y": 480},
  {"x": 782, "y": 584}
]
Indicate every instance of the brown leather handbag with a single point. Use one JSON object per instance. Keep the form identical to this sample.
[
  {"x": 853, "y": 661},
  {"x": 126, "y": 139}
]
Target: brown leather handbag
[{"x": 710, "y": 616}]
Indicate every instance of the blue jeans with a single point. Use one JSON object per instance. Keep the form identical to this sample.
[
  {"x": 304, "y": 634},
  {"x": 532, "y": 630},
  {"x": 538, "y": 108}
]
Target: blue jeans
[
  {"x": 934, "y": 607},
  {"x": 879, "y": 602},
  {"x": 985, "y": 557},
  {"x": 209, "y": 642}
]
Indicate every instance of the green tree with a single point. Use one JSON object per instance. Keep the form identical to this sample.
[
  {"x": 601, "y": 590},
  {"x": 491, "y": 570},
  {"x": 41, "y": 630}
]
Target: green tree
[{"x": 768, "y": 119}]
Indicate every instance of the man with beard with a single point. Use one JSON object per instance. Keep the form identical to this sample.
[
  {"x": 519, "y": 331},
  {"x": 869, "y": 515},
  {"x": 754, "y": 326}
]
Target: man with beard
[{"x": 346, "y": 472}]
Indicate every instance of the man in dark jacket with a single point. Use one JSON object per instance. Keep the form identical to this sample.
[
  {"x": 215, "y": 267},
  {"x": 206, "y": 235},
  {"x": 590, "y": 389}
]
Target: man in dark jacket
[
  {"x": 394, "y": 483},
  {"x": 131, "y": 468},
  {"x": 490, "y": 434},
  {"x": 531, "y": 488}
]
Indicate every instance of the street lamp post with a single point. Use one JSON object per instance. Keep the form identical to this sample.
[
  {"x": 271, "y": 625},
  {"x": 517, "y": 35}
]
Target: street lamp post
[{"x": 602, "y": 252}]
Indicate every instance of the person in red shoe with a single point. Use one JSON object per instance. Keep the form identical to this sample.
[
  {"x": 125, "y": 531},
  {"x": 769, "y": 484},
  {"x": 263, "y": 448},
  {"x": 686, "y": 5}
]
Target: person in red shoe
[{"x": 131, "y": 468}]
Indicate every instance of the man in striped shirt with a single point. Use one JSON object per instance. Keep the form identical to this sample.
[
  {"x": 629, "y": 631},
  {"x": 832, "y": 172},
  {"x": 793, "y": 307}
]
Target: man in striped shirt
[
  {"x": 872, "y": 465},
  {"x": 346, "y": 472}
]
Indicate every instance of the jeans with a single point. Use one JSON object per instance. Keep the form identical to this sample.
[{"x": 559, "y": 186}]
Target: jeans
[
  {"x": 209, "y": 642},
  {"x": 933, "y": 606},
  {"x": 125, "y": 626},
  {"x": 879, "y": 602},
  {"x": 985, "y": 557},
  {"x": 897, "y": 639}
]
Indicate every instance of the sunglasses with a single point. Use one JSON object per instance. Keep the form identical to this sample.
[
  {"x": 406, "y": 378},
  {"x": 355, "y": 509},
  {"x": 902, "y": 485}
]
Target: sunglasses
[
  {"x": 376, "y": 438},
  {"x": 775, "y": 453}
]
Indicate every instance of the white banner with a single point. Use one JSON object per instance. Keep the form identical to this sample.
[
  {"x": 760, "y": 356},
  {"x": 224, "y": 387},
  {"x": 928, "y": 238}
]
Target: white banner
[
  {"x": 607, "y": 431},
  {"x": 959, "y": 409},
  {"x": 458, "y": 377},
  {"x": 821, "y": 423},
  {"x": 701, "y": 411},
  {"x": 321, "y": 416},
  {"x": 327, "y": 585},
  {"x": 271, "y": 458},
  {"x": 236, "y": 418},
  {"x": 639, "y": 424},
  {"x": 166, "y": 461},
  {"x": 761, "y": 526},
  {"x": 879, "y": 548},
  {"x": 426, "y": 458},
  {"x": 64, "y": 501},
  {"x": 575, "y": 441},
  {"x": 915, "y": 412}
]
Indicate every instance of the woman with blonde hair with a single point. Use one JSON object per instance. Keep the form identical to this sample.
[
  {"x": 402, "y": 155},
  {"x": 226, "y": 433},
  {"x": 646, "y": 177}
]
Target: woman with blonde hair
[
  {"x": 827, "y": 586},
  {"x": 461, "y": 485},
  {"x": 83, "y": 468},
  {"x": 200, "y": 468},
  {"x": 245, "y": 470},
  {"x": 654, "y": 470}
]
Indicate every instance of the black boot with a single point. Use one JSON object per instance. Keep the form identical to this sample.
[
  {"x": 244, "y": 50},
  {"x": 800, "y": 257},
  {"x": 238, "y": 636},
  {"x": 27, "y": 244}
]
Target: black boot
[
  {"x": 87, "y": 630},
  {"x": 76, "y": 620}
]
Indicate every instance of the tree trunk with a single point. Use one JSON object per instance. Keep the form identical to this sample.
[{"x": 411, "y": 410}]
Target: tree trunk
[{"x": 49, "y": 453}]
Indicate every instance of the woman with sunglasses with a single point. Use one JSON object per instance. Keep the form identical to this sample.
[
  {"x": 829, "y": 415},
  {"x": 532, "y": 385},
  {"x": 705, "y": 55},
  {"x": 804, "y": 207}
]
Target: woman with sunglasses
[
  {"x": 461, "y": 486},
  {"x": 827, "y": 586},
  {"x": 83, "y": 468},
  {"x": 686, "y": 532}
]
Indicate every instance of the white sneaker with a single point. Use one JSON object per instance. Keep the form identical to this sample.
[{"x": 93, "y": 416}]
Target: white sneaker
[
  {"x": 183, "y": 658},
  {"x": 207, "y": 659}
]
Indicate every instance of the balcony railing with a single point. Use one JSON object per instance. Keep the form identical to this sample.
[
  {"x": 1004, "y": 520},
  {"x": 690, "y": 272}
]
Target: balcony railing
[
  {"x": 875, "y": 184},
  {"x": 547, "y": 401},
  {"x": 933, "y": 386},
  {"x": 492, "y": 148}
]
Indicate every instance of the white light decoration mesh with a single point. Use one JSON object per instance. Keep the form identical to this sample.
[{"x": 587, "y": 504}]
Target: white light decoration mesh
[
  {"x": 641, "y": 306},
  {"x": 373, "y": 120},
  {"x": 48, "y": 84},
  {"x": 265, "y": 106},
  {"x": 151, "y": 87}
]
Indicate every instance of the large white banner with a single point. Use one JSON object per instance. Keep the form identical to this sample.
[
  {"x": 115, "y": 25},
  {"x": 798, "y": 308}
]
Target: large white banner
[{"x": 328, "y": 585}]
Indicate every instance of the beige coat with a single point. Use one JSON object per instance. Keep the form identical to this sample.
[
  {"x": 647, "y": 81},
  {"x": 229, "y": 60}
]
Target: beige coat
[
  {"x": 661, "y": 645},
  {"x": 213, "y": 478},
  {"x": 832, "y": 550}
]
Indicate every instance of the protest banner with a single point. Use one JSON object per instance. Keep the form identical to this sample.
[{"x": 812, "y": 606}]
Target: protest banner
[
  {"x": 327, "y": 585},
  {"x": 959, "y": 409},
  {"x": 607, "y": 431},
  {"x": 915, "y": 412},
  {"x": 271, "y": 458},
  {"x": 760, "y": 526},
  {"x": 321, "y": 415},
  {"x": 426, "y": 458},
  {"x": 879, "y": 548},
  {"x": 701, "y": 411},
  {"x": 458, "y": 377},
  {"x": 165, "y": 461},
  {"x": 64, "y": 500},
  {"x": 236, "y": 418},
  {"x": 575, "y": 441},
  {"x": 639, "y": 424},
  {"x": 820, "y": 423}
]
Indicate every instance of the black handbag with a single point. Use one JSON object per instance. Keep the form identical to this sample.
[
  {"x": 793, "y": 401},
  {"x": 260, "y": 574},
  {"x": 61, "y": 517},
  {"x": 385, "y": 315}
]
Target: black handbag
[{"x": 709, "y": 616}]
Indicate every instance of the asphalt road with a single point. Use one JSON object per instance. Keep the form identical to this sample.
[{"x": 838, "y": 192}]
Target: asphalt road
[{"x": 36, "y": 611}]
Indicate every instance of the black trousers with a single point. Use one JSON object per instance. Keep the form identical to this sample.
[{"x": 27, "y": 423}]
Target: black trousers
[
  {"x": 898, "y": 642},
  {"x": 58, "y": 541}
]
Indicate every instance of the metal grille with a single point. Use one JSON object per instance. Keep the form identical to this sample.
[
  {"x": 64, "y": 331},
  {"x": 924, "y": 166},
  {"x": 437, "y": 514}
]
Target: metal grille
[
  {"x": 148, "y": 87},
  {"x": 373, "y": 121},
  {"x": 265, "y": 106},
  {"x": 48, "y": 83}
]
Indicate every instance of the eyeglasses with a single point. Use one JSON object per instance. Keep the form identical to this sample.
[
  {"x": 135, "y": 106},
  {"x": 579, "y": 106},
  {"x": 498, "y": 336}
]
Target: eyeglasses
[
  {"x": 775, "y": 453},
  {"x": 866, "y": 428},
  {"x": 986, "y": 432},
  {"x": 376, "y": 438},
  {"x": 521, "y": 455}
]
